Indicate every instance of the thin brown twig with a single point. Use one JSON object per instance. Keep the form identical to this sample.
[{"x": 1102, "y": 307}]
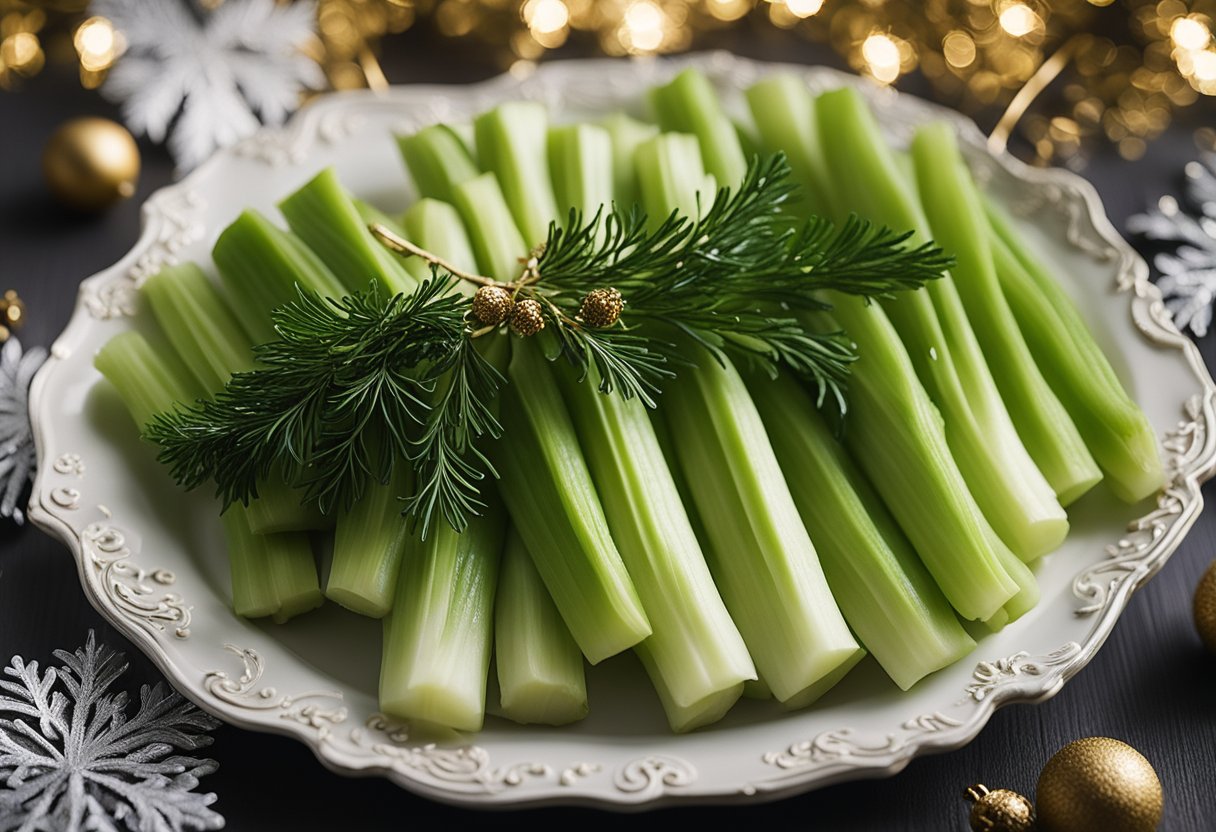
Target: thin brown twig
[{"x": 404, "y": 247}]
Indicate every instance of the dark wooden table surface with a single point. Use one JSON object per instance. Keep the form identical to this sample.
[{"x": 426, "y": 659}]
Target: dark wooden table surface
[{"x": 1151, "y": 685}]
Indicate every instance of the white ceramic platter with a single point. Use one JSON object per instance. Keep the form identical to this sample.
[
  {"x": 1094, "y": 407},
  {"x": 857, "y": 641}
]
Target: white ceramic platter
[{"x": 151, "y": 558}]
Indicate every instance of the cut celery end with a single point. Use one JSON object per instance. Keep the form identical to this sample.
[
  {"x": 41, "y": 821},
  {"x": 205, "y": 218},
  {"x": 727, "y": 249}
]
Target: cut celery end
[
  {"x": 368, "y": 544},
  {"x": 540, "y": 667},
  {"x": 956, "y": 216},
  {"x": 761, "y": 557},
  {"x": 324, "y": 216},
  {"x": 294, "y": 572},
  {"x": 1114, "y": 427},
  {"x": 253, "y": 591},
  {"x": 1027, "y": 596},
  {"x": 437, "y": 160},
  {"x": 437, "y": 227},
  {"x": 897, "y": 435},
  {"x": 511, "y": 142},
  {"x": 554, "y": 505},
  {"x": 497, "y": 243},
  {"x": 261, "y": 265},
  {"x": 784, "y": 113},
  {"x": 695, "y": 653},
  {"x": 438, "y": 636},
  {"x": 673, "y": 177},
  {"x": 580, "y": 162},
  {"x": 886, "y": 594},
  {"x": 816, "y": 691},
  {"x": 626, "y": 134},
  {"x": 688, "y": 104},
  {"x": 1015, "y": 496},
  {"x": 696, "y": 714}
]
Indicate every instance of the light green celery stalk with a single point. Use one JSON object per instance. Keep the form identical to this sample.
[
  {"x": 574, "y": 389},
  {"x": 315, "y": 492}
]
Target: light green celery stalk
[
  {"x": 696, "y": 657},
  {"x": 437, "y": 160},
  {"x": 271, "y": 574},
  {"x": 327, "y": 219},
  {"x": 688, "y": 104},
  {"x": 1016, "y": 497},
  {"x": 212, "y": 343},
  {"x": 439, "y": 634},
  {"x": 491, "y": 229},
  {"x": 1115, "y": 429},
  {"x": 260, "y": 266},
  {"x": 759, "y": 552},
  {"x": 540, "y": 667},
  {"x": 626, "y": 134},
  {"x": 886, "y": 594},
  {"x": 418, "y": 269},
  {"x": 436, "y": 226},
  {"x": 511, "y": 142},
  {"x": 956, "y": 218},
  {"x": 784, "y": 113}
]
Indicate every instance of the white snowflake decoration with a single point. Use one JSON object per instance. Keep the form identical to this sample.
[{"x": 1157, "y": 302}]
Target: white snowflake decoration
[
  {"x": 16, "y": 439},
  {"x": 77, "y": 762},
  {"x": 1188, "y": 274},
  {"x": 202, "y": 79}
]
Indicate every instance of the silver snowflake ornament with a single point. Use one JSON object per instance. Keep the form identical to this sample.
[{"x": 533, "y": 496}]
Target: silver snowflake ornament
[
  {"x": 16, "y": 438},
  {"x": 72, "y": 759},
  {"x": 203, "y": 79},
  {"x": 1187, "y": 275}
]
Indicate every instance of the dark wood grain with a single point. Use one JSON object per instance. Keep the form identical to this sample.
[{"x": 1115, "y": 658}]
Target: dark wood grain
[{"x": 1151, "y": 685}]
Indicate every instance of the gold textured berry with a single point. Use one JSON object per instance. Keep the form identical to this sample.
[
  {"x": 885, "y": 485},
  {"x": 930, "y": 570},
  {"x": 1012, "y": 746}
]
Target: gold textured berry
[
  {"x": 1000, "y": 810},
  {"x": 1098, "y": 785},
  {"x": 1205, "y": 608},
  {"x": 527, "y": 318},
  {"x": 602, "y": 307},
  {"x": 492, "y": 305}
]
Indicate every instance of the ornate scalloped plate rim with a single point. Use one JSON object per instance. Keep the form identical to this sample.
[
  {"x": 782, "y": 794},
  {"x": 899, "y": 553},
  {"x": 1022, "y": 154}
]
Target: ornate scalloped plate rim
[{"x": 645, "y": 782}]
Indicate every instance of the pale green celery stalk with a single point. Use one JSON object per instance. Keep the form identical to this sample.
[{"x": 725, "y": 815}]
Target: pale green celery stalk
[
  {"x": 491, "y": 229},
  {"x": 886, "y": 594},
  {"x": 1113, "y": 425},
  {"x": 511, "y": 142},
  {"x": 761, "y": 557},
  {"x": 897, "y": 435},
  {"x": 956, "y": 218},
  {"x": 784, "y": 113},
  {"x": 437, "y": 160},
  {"x": 556, "y": 509},
  {"x": 759, "y": 552},
  {"x": 436, "y": 226},
  {"x": 540, "y": 666},
  {"x": 209, "y": 339},
  {"x": 696, "y": 657},
  {"x": 1019, "y": 501},
  {"x": 260, "y": 266},
  {"x": 439, "y": 634},
  {"x": 626, "y": 134},
  {"x": 369, "y": 541},
  {"x": 418, "y": 269},
  {"x": 326, "y": 218},
  {"x": 271, "y": 574},
  {"x": 688, "y": 104}
]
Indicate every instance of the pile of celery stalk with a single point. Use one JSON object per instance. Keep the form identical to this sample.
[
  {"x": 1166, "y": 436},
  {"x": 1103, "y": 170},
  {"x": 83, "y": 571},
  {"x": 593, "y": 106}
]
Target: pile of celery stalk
[{"x": 727, "y": 537}]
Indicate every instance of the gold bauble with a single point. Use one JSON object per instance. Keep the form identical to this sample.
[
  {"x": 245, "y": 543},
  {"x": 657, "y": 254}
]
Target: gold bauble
[
  {"x": 91, "y": 163},
  {"x": 1098, "y": 785},
  {"x": 1000, "y": 810},
  {"x": 1205, "y": 608}
]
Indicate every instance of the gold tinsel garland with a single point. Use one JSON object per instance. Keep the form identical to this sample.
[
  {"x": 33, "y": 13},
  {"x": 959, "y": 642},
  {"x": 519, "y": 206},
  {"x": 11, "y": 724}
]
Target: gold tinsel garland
[{"x": 976, "y": 54}]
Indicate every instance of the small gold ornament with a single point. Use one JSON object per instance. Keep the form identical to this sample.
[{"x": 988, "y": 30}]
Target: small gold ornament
[
  {"x": 602, "y": 307},
  {"x": 1001, "y": 810},
  {"x": 1098, "y": 785},
  {"x": 527, "y": 318},
  {"x": 91, "y": 163},
  {"x": 12, "y": 314},
  {"x": 1205, "y": 608},
  {"x": 492, "y": 305}
]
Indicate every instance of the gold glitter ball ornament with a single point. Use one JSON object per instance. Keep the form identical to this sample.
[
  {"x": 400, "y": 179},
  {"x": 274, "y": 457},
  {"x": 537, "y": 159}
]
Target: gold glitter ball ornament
[
  {"x": 1098, "y": 785},
  {"x": 1205, "y": 608},
  {"x": 12, "y": 314},
  {"x": 527, "y": 318},
  {"x": 602, "y": 307},
  {"x": 1000, "y": 810},
  {"x": 492, "y": 305},
  {"x": 91, "y": 163}
]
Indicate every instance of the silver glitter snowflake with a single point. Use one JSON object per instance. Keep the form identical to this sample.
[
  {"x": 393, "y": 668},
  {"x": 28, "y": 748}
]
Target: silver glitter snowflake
[
  {"x": 202, "y": 79},
  {"x": 1188, "y": 273},
  {"x": 72, "y": 759},
  {"x": 16, "y": 438}
]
